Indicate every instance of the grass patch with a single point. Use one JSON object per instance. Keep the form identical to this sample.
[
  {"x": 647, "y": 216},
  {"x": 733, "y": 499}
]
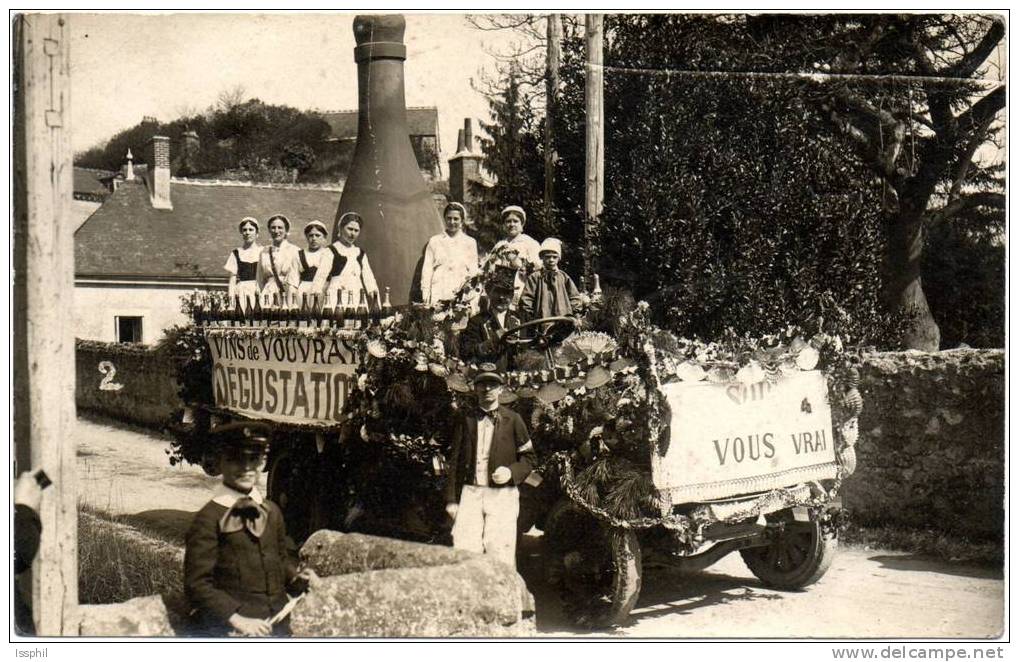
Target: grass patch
[
  {"x": 117, "y": 562},
  {"x": 937, "y": 544}
]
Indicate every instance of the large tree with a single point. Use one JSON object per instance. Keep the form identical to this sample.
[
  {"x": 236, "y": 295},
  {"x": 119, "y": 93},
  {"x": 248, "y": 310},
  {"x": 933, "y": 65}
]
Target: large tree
[{"x": 919, "y": 96}]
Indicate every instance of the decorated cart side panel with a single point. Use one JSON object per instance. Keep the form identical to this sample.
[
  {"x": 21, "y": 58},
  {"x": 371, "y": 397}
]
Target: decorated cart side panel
[{"x": 731, "y": 439}]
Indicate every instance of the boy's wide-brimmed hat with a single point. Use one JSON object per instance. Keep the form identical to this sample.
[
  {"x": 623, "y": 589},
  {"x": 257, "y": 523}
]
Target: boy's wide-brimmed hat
[
  {"x": 551, "y": 245},
  {"x": 240, "y": 436}
]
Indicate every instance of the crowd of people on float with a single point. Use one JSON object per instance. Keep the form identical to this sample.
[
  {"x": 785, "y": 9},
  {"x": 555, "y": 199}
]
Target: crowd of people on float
[
  {"x": 240, "y": 531},
  {"x": 280, "y": 273},
  {"x": 340, "y": 273}
]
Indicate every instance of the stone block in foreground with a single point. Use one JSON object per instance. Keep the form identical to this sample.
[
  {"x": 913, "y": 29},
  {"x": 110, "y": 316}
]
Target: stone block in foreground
[
  {"x": 441, "y": 593},
  {"x": 138, "y": 617},
  {"x": 333, "y": 553}
]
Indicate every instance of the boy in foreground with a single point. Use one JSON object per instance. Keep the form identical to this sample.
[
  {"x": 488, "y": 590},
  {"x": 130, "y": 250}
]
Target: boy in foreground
[{"x": 238, "y": 560}]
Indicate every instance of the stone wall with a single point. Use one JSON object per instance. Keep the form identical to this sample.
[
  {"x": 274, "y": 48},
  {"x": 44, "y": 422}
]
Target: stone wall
[
  {"x": 142, "y": 389},
  {"x": 931, "y": 449}
]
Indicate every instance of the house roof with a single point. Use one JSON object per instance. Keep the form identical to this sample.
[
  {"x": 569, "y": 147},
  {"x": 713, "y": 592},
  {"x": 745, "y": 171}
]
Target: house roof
[
  {"x": 421, "y": 121},
  {"x": 89, "y": 182},
  {"x": 126, "y": 237}
]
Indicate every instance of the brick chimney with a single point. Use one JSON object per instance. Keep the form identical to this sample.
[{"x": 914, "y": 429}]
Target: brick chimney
[
  {"x": 157, "y": 152},
  {"x": 464, "y": 166}
]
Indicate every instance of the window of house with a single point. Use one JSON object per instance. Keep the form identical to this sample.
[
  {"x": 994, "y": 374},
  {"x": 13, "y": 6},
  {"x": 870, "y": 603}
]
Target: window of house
[{"x": 129, "y": 329}]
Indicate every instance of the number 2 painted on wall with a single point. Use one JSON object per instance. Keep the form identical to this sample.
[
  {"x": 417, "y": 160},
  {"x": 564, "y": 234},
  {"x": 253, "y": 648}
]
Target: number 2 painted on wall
[{"x": 106, "y": 368}]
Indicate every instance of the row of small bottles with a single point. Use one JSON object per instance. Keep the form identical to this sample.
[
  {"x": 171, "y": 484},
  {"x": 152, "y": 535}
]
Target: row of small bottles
[{"x": 310, "y": 310}]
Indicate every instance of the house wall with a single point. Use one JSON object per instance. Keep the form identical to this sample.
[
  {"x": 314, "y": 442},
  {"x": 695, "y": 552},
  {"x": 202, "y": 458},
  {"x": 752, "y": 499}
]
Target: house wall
[{"x": 96, "y": 307}]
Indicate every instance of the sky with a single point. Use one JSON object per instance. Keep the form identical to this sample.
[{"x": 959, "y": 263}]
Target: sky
[{"x": 126, "y": 66}]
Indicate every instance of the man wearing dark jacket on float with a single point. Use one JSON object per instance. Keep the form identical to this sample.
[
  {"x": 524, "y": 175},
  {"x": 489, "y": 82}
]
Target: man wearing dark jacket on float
[
  {"x": 481, "y": 342},
  {"x": 491, "y": 455}
]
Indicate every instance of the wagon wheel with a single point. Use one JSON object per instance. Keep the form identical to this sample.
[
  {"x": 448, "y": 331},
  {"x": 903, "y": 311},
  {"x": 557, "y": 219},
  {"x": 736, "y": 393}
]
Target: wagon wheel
[
  {"x": 596, "y": 569},
  {"x": 799, "y": 555}
]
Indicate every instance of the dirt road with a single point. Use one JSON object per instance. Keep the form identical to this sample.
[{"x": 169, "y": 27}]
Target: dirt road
[{"x": 867, "y": 593}]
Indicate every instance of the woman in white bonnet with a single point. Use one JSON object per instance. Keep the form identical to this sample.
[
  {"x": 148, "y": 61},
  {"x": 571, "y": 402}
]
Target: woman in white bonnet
[
  {"x": 279, "y": 270},
  {"x": 316, "y": 262},
  {"x": 242, "y": 264},
  {"x": 515, "y": 241},
  {"x": 450, "y": 257},
  {"x": 351, "y": 272}
]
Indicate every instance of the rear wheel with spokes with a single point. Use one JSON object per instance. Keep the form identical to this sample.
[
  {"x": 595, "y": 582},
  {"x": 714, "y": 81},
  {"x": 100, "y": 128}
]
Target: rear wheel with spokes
[
  {"x": 799, "y": 555},
  {"x": 597, "y": 570}
]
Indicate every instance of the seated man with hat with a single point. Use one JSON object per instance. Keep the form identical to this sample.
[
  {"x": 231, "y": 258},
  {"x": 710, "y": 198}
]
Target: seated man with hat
[
  {"x": 238, "y": 560},
  {"x": 549, "y": 292},
  {"x": 480, "y": 341},
  {"x": 491, "y": 455}
]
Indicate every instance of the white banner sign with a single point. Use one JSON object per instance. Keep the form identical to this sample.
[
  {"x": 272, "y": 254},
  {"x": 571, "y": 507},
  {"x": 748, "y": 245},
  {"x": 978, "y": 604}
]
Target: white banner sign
[
  {"x": 731, "y": 439},
  {"x": 289, "y": 379}
]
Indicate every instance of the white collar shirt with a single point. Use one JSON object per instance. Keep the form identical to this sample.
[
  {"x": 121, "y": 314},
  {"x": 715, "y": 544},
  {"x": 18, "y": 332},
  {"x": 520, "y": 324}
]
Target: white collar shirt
[
  {"x": 486, "y": 430},
  {"x": 227, "y": 496}
]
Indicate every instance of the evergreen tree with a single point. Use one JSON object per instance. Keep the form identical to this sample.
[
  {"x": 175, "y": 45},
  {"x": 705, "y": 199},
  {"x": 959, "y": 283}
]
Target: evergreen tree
[{"x": 513, "y": 157}]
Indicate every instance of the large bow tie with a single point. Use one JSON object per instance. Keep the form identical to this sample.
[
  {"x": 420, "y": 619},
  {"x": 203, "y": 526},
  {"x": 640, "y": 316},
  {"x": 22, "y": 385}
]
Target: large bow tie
[
  {"x": 482, "y": 414},
  {"x": 245, "y": 514}
]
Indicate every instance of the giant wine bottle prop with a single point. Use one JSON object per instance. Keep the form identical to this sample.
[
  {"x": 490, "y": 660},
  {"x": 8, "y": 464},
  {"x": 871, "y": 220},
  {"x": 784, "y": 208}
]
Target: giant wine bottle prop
[{"x": 384, "y": 184}]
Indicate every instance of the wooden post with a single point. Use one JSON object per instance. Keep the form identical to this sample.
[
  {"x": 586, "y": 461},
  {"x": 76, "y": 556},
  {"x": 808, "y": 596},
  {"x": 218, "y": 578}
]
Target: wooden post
[
  {"x": 43, "y": 368},
  {"x": 552, "y": 58},
  {"x": 595, "y": 152}
]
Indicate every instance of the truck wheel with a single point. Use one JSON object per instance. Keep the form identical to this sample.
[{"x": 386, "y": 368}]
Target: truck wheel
[
  {"x": 798, "y": 557},
  {"x": 597, "y": 570}
]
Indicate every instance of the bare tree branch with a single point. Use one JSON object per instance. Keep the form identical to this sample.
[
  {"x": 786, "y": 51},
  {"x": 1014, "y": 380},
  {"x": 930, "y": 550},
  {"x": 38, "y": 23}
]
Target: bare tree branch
[
  {"x": 990, "y": 199},
  {"x": 972, "y": 61}
]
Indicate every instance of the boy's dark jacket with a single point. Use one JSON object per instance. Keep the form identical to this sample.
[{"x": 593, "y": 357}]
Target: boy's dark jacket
[
  {"x": 510, "y": 448},
  {"x": 237, "y": 572}
]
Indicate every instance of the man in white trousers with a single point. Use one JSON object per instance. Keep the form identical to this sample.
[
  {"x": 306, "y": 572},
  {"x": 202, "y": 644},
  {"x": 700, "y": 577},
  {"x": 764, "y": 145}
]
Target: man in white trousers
[{"x": 491, "y": 455}]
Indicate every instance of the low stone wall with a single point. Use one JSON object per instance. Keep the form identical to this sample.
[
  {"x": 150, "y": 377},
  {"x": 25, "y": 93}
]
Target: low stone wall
[
  {"x": 931, "y": 449},
  {"x": 132, "y": 384}
]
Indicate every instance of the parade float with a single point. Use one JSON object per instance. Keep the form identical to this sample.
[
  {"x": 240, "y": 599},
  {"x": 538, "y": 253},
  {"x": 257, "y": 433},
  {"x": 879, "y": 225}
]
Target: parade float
[{"x": 653, "y": 450}]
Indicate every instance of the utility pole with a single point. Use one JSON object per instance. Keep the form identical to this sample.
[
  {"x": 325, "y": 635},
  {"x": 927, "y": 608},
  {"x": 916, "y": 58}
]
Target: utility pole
[
  {"x": 43, "y": 369},
  {"x": 594, "y": 172},
  {"x": 552, "y": 59}
]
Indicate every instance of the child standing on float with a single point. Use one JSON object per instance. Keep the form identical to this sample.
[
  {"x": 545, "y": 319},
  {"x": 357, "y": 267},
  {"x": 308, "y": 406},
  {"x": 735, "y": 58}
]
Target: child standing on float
[
  {"x": 242, "y": 264},
  {"x": 351, "y": 272},
  {"x": 279, "y": 269},
  {"x": 315, "y": 261},
  {"x": 550, "y": 292}
]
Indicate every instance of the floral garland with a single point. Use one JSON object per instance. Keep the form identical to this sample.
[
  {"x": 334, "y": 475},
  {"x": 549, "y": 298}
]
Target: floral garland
[{"x": 597, "y": 416}]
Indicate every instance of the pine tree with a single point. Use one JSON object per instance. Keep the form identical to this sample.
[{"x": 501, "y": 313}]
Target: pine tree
[{"x": 513, "y": 157}]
